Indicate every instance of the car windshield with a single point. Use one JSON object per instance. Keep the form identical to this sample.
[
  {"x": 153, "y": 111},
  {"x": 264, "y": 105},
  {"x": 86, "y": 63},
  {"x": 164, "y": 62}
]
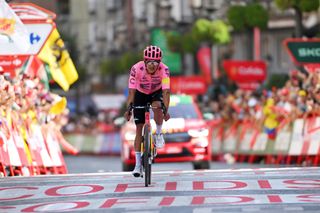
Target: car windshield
[{"x": 186, "y": 111}]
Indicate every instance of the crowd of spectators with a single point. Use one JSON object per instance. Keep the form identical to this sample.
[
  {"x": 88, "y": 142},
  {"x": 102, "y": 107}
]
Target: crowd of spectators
[
  {"x": 27, "y": 104},
  {"x": 267, "y": 109},
  {"x": 26, "y": 97},
  {"x": 298, "y": 98}
]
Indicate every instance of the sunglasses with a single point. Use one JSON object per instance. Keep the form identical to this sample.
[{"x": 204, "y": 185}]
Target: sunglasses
[{"x": 155, "y": 63}]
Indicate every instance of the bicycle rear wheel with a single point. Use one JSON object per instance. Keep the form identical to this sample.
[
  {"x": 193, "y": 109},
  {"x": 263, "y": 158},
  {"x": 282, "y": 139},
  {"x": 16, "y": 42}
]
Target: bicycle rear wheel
[{"x": 146, "y": 155}]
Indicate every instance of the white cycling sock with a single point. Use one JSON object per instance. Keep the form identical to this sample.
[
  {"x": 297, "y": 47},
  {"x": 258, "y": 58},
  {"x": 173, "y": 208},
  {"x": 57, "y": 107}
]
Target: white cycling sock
[
  {"x": 159, "y": 129},
  {"x": 138, "y": 158}
]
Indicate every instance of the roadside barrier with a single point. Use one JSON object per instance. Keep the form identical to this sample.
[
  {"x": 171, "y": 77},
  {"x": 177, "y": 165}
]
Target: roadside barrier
[
  {"x": 296, "y": 142},
  {"x": 34, "y": 151},
  {"x": 58, "y": 163},
  {"x": 216, "y": 139}
]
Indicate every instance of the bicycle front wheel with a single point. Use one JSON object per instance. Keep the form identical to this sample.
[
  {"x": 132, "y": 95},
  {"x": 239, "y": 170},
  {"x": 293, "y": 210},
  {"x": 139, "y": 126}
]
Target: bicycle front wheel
[{"x": 146, "y": 155}]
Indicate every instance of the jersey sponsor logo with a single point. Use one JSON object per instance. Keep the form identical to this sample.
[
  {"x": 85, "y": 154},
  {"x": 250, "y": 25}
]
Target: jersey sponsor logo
[
  {"x": 156, "y": 85},
  {"x": 167, "y": 72},
  {"x": 145, "y": 86},
  {"x": 145, "y": 80},
  {"x": 155, "y": 79},
  {"x": 132, "y": 81},
  {"x": 133, "y": 72}
]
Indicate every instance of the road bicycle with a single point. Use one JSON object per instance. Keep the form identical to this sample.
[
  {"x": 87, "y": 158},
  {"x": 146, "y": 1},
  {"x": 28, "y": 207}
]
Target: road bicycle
[{"x": 148, "y": 148}]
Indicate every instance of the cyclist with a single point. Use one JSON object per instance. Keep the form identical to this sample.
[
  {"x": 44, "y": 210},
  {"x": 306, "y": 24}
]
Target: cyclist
[{"x": 149, "y": 81}]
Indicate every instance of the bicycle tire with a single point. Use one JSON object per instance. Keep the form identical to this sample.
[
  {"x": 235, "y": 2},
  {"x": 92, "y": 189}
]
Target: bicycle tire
[
  {"x": 146, "y": 155},
  {"x": 150, "y": 156}
]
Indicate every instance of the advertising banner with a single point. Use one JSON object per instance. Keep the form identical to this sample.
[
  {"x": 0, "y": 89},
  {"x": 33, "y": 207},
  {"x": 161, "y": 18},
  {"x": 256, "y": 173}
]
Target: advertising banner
[
  {"x": 10, "y": 64},
  {"x": 303, "y": 51},
  {"x": 37, "y": 35},
  {"x": 245, "y": 71},
  {"x": 192, "y": 85}
]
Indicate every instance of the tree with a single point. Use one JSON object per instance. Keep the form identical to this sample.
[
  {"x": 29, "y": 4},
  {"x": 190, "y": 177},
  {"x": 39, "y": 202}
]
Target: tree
[
  {"x": 260, "y": 15},
  {"x": 299, "y": 6},
  {"x": 184, "y": 43},
  {"x": 244, "y": 18},
  {"x": 219, "y": 32},
  {"x": 203, "y": 30},
  {"x": 235, "y": 15},
  {"x": 213, "y": 32}
]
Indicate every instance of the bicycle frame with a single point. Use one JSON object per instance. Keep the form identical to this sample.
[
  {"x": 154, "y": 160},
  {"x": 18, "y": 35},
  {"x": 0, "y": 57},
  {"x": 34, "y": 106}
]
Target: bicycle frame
[
  {"x": 147, "y": 123},
  {"x": 147, "y": 147}
]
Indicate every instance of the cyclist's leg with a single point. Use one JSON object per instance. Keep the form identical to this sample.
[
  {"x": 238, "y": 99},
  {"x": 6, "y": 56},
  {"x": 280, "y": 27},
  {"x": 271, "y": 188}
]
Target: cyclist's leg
[
  {"x": 139, "y": 118},
  {"x": 158, "y": 114},
  {"x": 158, "y": 117},
  {"x": 138, "y": 114},
  {"x": 137, "y": 148}
]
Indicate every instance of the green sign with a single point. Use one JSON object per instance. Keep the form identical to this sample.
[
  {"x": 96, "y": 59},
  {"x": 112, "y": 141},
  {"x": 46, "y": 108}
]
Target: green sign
[
  {"x": 302, "y": 51},
  {"x": 171, "y": 59}
]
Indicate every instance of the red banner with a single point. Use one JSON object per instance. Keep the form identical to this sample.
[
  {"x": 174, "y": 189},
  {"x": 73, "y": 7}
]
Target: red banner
[
  {"x": 192, "y": 85},
  {"x": 10, "y": 64},
  {"x": 204, "y": 60},
  {"x": 311, "y": 68},
  {"x": 246, "y": 71}
]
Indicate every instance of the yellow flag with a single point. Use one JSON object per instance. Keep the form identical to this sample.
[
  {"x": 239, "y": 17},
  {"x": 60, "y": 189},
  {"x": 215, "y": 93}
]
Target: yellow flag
[
  {"x": 59, "y": 106},
  {"x": 61, "y": 66}
]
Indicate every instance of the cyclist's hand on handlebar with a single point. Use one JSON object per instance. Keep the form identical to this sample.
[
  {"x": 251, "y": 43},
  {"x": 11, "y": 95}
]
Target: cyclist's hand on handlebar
[
  {"x": 166, "y": 116},
  {"x": 127, "y": 115}
]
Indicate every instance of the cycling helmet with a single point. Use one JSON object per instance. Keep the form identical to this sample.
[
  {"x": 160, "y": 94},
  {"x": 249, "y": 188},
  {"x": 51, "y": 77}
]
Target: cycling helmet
[{"x": 152, "y": 53}]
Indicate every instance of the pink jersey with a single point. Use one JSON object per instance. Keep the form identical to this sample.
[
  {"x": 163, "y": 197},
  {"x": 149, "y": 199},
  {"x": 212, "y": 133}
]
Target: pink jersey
[{"x": 146, "y": 83}]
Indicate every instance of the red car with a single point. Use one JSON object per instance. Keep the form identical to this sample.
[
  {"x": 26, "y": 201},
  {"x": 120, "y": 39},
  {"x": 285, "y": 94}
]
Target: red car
[{"x": 186, "y": 135}]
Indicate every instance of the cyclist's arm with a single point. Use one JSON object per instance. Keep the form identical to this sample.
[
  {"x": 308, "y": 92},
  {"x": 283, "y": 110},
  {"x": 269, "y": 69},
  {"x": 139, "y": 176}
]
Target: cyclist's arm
[
  {"x": 166, "y": 87},
  {"x": 130, "y": 99},
  {"x": 132, "y": 85},
  {"x": 166, "y": 98}
]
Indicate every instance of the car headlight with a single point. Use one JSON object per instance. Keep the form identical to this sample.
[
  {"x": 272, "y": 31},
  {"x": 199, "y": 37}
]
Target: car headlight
[
  {"x": 198, "y": 133},
  {"x": 129, "y": 136}
]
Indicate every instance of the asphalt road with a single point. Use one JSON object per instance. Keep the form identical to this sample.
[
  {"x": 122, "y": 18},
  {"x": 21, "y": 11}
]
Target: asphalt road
[
  {"x": 260, "y": 190},
  {"x": 93, "y": 164}
]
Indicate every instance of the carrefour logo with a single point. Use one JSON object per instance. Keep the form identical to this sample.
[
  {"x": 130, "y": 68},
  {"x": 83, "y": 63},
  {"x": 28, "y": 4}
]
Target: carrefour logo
[
  {"x": 309, "y": 52},
  {"x": 251, "y": 70}
]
